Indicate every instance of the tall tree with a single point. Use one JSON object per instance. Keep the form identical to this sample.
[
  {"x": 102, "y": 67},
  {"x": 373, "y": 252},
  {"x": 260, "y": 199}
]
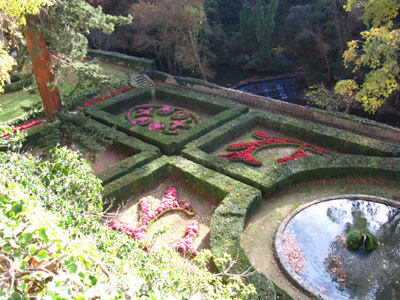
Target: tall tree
[
  {"x": 175, "y": 30},
  {"x": 257, "y": 24},
  {"x": 55, "y": 34},
  {"x": 11, "y": 18},
  {"x": 42, "y": 67}
]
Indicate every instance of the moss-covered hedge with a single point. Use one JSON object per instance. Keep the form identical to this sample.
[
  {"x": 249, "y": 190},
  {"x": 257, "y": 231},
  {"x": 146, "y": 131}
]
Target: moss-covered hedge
[
  {"x": 316, "y": 167},
  {"x": 220, "y": 110},
  {"x": 238, "y": 201},
  {"x": 183, "y": 81},
  {"x": 137, "y": 63},
  {"x": 18, "y": 83},
  {"x": 139, "y": 152}
]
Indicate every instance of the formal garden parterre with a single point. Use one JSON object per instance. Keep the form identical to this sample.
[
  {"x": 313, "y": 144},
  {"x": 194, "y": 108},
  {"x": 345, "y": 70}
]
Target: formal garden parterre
[
  {"x": 222, "y": 145},
  {"x": 189, "y": 115}
]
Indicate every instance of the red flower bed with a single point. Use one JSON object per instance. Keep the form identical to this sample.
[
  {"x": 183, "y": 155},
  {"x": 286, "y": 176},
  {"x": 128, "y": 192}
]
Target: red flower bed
[
  {"x": 119, "y": 91},
  {"x": 248, "y": 149},
  {"x": 23, "y": 127}
]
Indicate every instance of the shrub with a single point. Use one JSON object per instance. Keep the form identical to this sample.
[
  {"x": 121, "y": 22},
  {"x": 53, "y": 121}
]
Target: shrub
[{"x": 68, "y": 254}]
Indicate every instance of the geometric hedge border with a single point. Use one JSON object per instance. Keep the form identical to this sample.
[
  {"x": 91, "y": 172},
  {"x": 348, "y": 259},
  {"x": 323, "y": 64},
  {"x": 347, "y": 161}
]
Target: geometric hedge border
[
  {"x": 221, "y": 110},
  {"x": 139, "y": 152},
  {"x": 270, "y": 181},
  {"x": 237, "y": 203}
]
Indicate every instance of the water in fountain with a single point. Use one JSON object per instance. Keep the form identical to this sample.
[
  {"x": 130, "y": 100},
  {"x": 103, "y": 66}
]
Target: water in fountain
[
  {"x": 329, "y": 270},
  {"x": 363, "y": 248}
]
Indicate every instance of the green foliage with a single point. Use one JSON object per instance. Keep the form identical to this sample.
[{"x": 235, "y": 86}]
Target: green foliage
[
  {"x": 358, "y": 239},
  {"x": 13, "y": 141},
  {"x": 41, "y": 259},
  {"x": 72, "y": 130},
  {"x": 64, "y": 184},
  {"x": 17, "y": 85},
  {"x": 378, "y": 53},
  {"x": 88, "y": 77},
  {"x": 377, "y": 12},
  {"x": 324, "y": 98},
  {"x": 257, "y": 24}
]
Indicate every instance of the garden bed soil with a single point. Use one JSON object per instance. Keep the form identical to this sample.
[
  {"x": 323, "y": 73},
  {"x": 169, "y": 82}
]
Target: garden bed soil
[
  {"x": 105, "y": 160},
  {"x": 101, "y": 162},
  {"x": 258, "y": 236}
]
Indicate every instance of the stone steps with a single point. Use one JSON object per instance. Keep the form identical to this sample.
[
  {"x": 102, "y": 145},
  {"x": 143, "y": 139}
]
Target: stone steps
[{"x": 138, "y": 80}]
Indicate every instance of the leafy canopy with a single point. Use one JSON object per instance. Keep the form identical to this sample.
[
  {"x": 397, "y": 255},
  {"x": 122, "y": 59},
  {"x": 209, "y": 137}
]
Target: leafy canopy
[{"x": 377, "y": 54}]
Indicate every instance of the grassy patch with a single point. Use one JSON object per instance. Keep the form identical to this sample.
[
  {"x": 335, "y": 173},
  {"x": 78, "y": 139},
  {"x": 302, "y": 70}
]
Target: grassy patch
[{"x": 17, "y": 105}]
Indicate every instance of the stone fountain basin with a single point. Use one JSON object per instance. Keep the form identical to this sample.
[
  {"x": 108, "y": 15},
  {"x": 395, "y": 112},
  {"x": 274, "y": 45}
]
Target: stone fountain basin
[{"x": 310, "y": 248}]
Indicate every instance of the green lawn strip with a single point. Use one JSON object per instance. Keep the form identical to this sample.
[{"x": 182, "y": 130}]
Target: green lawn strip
[
  {"x": 139, "y": 152},
  {"x": 237, "y": 202},
  {"x": 336, "y": 165},
  {"x": 17, "y": 106},
  {"x": 221, "y": 110}
]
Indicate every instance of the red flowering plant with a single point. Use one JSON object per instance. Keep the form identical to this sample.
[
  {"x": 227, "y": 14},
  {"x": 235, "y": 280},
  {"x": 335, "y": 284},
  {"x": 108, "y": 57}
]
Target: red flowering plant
[
  {"x": 166, "y": 119},
  {"x": 116, "y": 92},
  {"x": 22, "y": 127},
  {"x": 170, "y": 202},
  {"x": 249, "y": 149}
]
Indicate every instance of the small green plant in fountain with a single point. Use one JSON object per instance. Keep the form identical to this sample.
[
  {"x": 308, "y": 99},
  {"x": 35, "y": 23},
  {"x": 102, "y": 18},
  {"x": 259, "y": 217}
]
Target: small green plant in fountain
[{"x": 361, "y": 240}]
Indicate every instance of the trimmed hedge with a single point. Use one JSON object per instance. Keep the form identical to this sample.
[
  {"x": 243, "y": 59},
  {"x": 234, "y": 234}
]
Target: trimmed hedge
[
  {"x": 18, "y": 83},
  {"x": 315, "y": 167},
  {"x": 222, "y": 111},
  {"x": 238, "y": 202},
  {"x": 137, "y": 63},
  {"x": 195, "y": 81},
  {"x": 139, "y": 152},
  {"x": 184, "y": 81}
]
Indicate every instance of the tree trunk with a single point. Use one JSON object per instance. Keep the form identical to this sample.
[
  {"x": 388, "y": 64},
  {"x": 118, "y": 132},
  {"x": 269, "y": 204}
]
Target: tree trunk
[
  {"x": 42, "y": 67},
  {"x": 319, "y": 39},
  {"x": 338, "y": 30},
  {"x": 197, "y": 56}
]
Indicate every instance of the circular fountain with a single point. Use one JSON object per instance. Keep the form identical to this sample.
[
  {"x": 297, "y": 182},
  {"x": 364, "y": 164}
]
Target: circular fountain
[{"x": 310, "y": 246}]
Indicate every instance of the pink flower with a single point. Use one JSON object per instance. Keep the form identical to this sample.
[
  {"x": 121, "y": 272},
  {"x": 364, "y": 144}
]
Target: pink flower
[
  {"x": 187, "y": 242},
  {"x": 169, "y": 201},
  {"x": 183, "y": 123},
  {"x": 145, "y": 111},
  {"x": 166, "y": 109},
  {"x": 142, "y": 121},
  {"x": 157, "y": 126}
]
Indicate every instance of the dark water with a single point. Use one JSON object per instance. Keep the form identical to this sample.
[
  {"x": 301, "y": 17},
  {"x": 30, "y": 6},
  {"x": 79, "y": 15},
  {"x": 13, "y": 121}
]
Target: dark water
[
  {"x": 229, "y": 75},
  {"x": 320, "y": 231}
]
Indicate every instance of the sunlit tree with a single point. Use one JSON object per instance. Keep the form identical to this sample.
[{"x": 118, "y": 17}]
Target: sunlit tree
[
  {"x": 377, "y": 52},
  {"x": 54, "y": 32}
]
